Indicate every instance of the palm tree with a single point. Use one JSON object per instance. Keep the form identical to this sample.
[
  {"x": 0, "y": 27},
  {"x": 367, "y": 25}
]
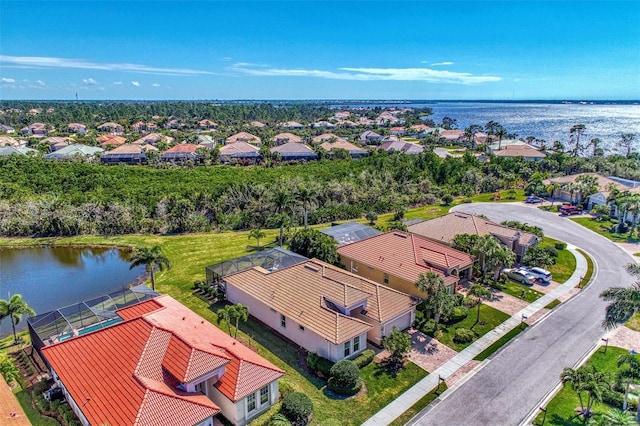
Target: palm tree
[
  {"x": 281, "y": 221},
  {"x": 283, "y": 202},
  {"x": 239, "y": 313},
  {"x": 306, "y": 196},
  {"x": 625, "y": 301},
  {"x": 626, "y": 140},
  {"x": 501, "y": 132},
  {"x": 438, "y": 300},
  {"x": 257, "y": 234},
  {"x": 616, "y": 418},
  {"x": 631, "y": 373},
  {"x": 151, "y": 259},
  {"x": 479, "y": 292},
  {"x": 14, "y": 309},
  {"x": 586, "y": 379},
  {"x": 595, "y": 143},
  {"x": 574, "y": 133},
  {"x": 225, "y": 314}
]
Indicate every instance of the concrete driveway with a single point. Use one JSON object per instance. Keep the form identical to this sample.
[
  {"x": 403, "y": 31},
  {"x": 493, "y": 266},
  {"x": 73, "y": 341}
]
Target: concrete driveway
[{"x": 515, "y": 382}]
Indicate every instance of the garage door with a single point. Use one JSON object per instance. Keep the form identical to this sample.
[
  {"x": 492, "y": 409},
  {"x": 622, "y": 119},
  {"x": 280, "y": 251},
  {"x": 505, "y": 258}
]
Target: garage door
[{"x": 401, "y": 323}]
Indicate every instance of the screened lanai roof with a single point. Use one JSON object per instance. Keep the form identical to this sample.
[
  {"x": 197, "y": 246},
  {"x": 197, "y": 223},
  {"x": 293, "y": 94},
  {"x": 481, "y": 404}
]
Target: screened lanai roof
[
  {"x": 272, "y": 259},
  {"x": 87, "y": 316},
  {"x": 350, "y": 232}
]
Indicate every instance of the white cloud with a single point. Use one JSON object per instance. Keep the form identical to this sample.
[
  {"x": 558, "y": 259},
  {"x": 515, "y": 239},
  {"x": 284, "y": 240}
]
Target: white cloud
[
  {"x": 227, "y": 58},
  {"x": 441, "y": 64},
  {"x": 40, "y": 83},
  {"x": 49, "y": 62},
  {"x": 89, "y": 81},
  {"x": 135, "y": 83},
  {"x": 117, "y": 83},
  {"x": 373, "y": 74},
  {"x": 155, "y": 85},
  {"x": 8, "y": 80}
]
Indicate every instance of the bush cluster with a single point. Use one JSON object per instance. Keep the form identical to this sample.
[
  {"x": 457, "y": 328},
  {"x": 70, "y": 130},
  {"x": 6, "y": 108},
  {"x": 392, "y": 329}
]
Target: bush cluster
[
  {"x": 464, "y": 335},
  {"x": 319, "y": 364},
  {"x": 365, "y": 358},
  {"x": 345, "y": 378},
  {"x": 297, "y": 408}
]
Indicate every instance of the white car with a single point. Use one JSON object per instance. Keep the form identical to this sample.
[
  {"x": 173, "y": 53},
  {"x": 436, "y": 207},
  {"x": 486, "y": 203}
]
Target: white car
[{"x": 541, "y": 274}]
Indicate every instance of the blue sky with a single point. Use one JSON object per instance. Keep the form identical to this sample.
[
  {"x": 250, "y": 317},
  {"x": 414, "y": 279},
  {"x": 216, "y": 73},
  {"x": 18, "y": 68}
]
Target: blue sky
[{"x": 320, "y": 50}]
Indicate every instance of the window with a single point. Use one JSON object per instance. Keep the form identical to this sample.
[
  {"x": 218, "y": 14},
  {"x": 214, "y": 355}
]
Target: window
[
  {"x": 386, "y": 278},
  {"x": 356, "y": 344},
  {"x": 251, "y": 402},
  {"x": 283, "y": 321},
  {"x": 264, "y": 395},
  {"x": 301, "y": 327},
  {"x": 354, "y": 269},
  {"x": 347, "y": 348}
]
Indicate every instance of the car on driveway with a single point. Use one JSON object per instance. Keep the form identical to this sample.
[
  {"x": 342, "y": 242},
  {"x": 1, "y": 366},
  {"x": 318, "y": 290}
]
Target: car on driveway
[
  {"x": 519, "y": 275},
  {"x": 569, "y": 210},
  {"x": 532, "y": 199},
  {"x": 541, "y": 274}
]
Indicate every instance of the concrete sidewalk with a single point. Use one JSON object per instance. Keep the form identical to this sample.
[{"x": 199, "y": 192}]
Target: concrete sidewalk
[{"x": 405, "y": 401}]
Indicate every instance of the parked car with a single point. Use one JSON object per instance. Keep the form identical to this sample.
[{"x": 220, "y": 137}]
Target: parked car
[
  {"x": 569, "y": 210},
  {"x": 532, "y": 199},
  {"x": 540, "y": 273},
  {"x": 519, "y": 275}
]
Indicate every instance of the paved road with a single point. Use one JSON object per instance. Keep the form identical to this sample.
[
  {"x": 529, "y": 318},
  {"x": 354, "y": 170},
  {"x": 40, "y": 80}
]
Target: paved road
[{"x": 518, "y": 378}]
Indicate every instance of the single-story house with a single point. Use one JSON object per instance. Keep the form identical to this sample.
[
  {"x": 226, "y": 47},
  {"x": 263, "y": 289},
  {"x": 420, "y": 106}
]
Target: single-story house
[
  {"x": 399, "y": 145},
  {"x": 9, "y": 141},
  {"x": 323, "y": 123},
  {"x": 322, "y": 308},
  {"x": 73, "y": 151},
  {"x": 181, "y": 153},
  {"x": 326, "y": 137},
  {"x": 282, "y": 138},
  {"x": 525, "y": 151},
  {"x": 111, "y": 127},
  {"x": 141, "y": 126},
  {"x": 241, "y": 151},
  {"x": 244, "y": 137},
  {"x": 397, "y": 259},
  {"x": 292, "y": 151},
  {"x": 207, "y": 124},
  {"x": 161, "y": 364},
  {"x": 444, "y": 229},
  {"x": 292, "y": 125},
  {"x": 56, "y": 143},
  {"x": 257, "y": 124},
  {"x": 354, "y": 151},
  {"x": 9, "y": 150},
  {"x": 347, "y": 124},
  {"x": 125, "y": 154},
  {"x": 153, "y": 139},
  {"x": 113, "y": 140},
  {"x": 77, "y": 128},
  {"x": 420, "y": 130},
  {"x": 35, "y": 129},
  {"x": 350, "y": 232},
  {"x": 6, "y": 129},
  {"x": 452, "y": 135},
  {"x": 398, "y": 130}
]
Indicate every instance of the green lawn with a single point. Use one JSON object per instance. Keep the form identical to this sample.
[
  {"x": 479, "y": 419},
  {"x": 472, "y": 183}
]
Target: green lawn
[
  {"x": 500, "y": 342},
  {"x": 602, "y": 228},
  {"x": 517, "y": 289},
  {"x": 560, "y": 410},
  {"x": 553, "y": 304},
  {"x": 634, "y": 322},
  {"x": 32, "y": 414},
  {"x": 565, "y": 262},
  {"x": 489, "y": 319},
  {"x": 587, "y": 276},
  {"x": 418, "y": 406}
]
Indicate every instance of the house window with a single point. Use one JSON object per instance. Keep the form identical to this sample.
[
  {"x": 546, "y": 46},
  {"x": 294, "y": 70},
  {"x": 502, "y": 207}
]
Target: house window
[
  {"x": 354, "y": 269},
  {"x": 251, "y": 402},
  {"x": 356, "y": 344},
  {"x": 283, "y": 321},
  {"x": 264, "y": 395},
  {"x": 386, "y": 279},
  {"x": 301, "y": 327},
  {"x": 347, "y": 348}
]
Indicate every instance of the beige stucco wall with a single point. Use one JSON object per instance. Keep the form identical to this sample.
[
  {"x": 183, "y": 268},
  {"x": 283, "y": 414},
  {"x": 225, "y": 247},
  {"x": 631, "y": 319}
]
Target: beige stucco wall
[{"x": 236, "y": 413}]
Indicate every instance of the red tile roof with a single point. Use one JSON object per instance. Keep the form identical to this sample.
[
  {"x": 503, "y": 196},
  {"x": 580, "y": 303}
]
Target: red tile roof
[
  {"x": 129, "y": 373},
  {"x": 407, "y": 255},
  {"x": 183, "y": 147}
]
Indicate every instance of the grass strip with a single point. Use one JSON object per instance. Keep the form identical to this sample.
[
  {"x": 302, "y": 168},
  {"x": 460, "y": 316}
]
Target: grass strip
[
  {"x": 587, "y": 276},
  {"x": 418, "y": 406},
  {"x": 500, "y": 342},
  {"x": 553, "y": 304}
]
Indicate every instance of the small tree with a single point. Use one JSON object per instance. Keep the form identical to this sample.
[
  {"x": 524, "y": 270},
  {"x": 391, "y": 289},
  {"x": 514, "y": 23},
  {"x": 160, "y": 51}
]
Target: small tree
[
  {"x": 629, "y": 374},
  {"x": 233, "y": 314},
  {"x": 438, "y": 302},
  {"x": 625, "y": 301},
  {"x": 447, "y": 199},
  {"x": 479, "y": 292},
  {"x": 297, "y": 407},
  {"x": 151, "y": 259},
  {"x": 257, "y": 234},
  {"x": 538, "y": 256},
  {"x": 398, "y": 343},
  {"x": 345, "y": 378},
  {"x": 589, "y": 380},
  {"x": 313, "y": 243},
  {"x": 14, "y": 309},
  {"x": 8, "y": 370},
  {"x": 371, "y": 216}
]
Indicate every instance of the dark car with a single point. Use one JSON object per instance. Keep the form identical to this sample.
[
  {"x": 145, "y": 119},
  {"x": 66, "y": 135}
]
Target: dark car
[
  {"x": 569, "y": 210},
  {"x": 532, "y": 199}
]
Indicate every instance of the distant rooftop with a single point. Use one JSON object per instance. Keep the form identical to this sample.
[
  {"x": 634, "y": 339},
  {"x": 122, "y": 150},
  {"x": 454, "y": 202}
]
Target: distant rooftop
[{"x": 350, "y": 232}]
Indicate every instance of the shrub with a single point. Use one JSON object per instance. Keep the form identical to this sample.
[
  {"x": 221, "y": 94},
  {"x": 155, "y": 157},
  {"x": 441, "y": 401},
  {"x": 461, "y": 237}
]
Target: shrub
[
  {"x": 312, "y": 360},
  {"x": 284, "y": 388},
  {"x": 324, "y": 366},
  {"x": 279, "y": 419},
  {"x": 345, "y": 378},
  {"x": 429, "y": 327},
  {"x": 560, "y": 246},
  {"x": 551, "y": 251},
  {"x": 459, "y": 298},
  {"x": 297, "y": 407},
  {"x": 447, "y": 199},
  {"x": 464, "y": 335},
  {"x": 365, "y": 358},
  {"x": 467, "y": 200},
  {"x": 459, "y": 313}
]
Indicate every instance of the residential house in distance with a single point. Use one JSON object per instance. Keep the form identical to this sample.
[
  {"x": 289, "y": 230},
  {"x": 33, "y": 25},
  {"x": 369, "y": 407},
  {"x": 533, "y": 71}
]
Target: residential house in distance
[
  {"x": 282, "y": 138},
  {"x": 348, "y": 124},
  {"x": 444, "y": 229},
  {"x": 342, "y": 115},
  {"x": 257, "y": 124},
  {"x": 174, "y": 124},
  {"x": 292, "y": 151},
  {"x": 292, "y": 125},
  {"x": 112, "y": 140},
  {"x": 397, "y": 259},
  {"x": 239, "y": 151},
  {"x": 420, "y": 130},
  {"x": 182, "y": 153},
  {"x": 323, "y": 124},
  {"x": 73, "y": 151},
  {"x": 326, "y": 137},
  {"x": 453, "y": 135},
  {"x": 78, "y": 128},
  {"x": 10, "y": 150},
  {"x": 141, "y": 126},
  {"x": 6, "y": 129},
  {"x": 353, "y": 150},
  {"x": 244, "y": 137},
  {"x": 35, "y": 129},
  {"x": 398, "y": 130},
  {"x": 111, "y": 127},
  {"x": 525, "y": 151},
  {"x": 56, "y": 143},
  {"x": 402, "y": 146},
  {"x": 321, "y": 307},
  {"x": 9, "y": 141},
  {"x": 369, "y": 137},
  {"x": 153, "y": 139},
  {"x": 207, "y": 124},
  {"x": 160, "y": 363},
  {"x": 126, "y": 154}
]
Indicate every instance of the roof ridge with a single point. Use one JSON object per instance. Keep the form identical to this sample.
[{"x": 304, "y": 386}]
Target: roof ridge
[{"x": 161, "y": 391}]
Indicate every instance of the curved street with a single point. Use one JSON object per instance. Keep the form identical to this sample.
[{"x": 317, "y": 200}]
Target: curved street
[{"x": 518, "y": 378}]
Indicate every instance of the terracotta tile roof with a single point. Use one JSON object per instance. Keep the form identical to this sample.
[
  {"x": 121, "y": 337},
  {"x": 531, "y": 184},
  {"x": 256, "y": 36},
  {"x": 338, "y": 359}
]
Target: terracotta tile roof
[
  {"x": 153, "y": 138},
  {"x": 127, "y": 148},
  {"x": 111, "y": 140},
  {"x": 400, "y": 145},
  {"x": 238, "y": 148},
  {"x": 207, "y": 122},
  {"x": 525, "y": 151},
  {"x": 183, "y": 147},
  {"x": 451, "y": 135},
  {"x": 288, "y": 137},
  {"x": 301, "y": 292},
  {"x": 407, "y": 255},
  {"x": 243, "y": 137},
  {"x": 128, "y": 373},
  {"x": 420, "y": 127},
  {"x": 257, "y": 124},
  {"x": 326, "y": 137},
  {"x": 445, "y": 228},
  {"x": 294, "y": 148},
  {"x": 342, "y": 144}
]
